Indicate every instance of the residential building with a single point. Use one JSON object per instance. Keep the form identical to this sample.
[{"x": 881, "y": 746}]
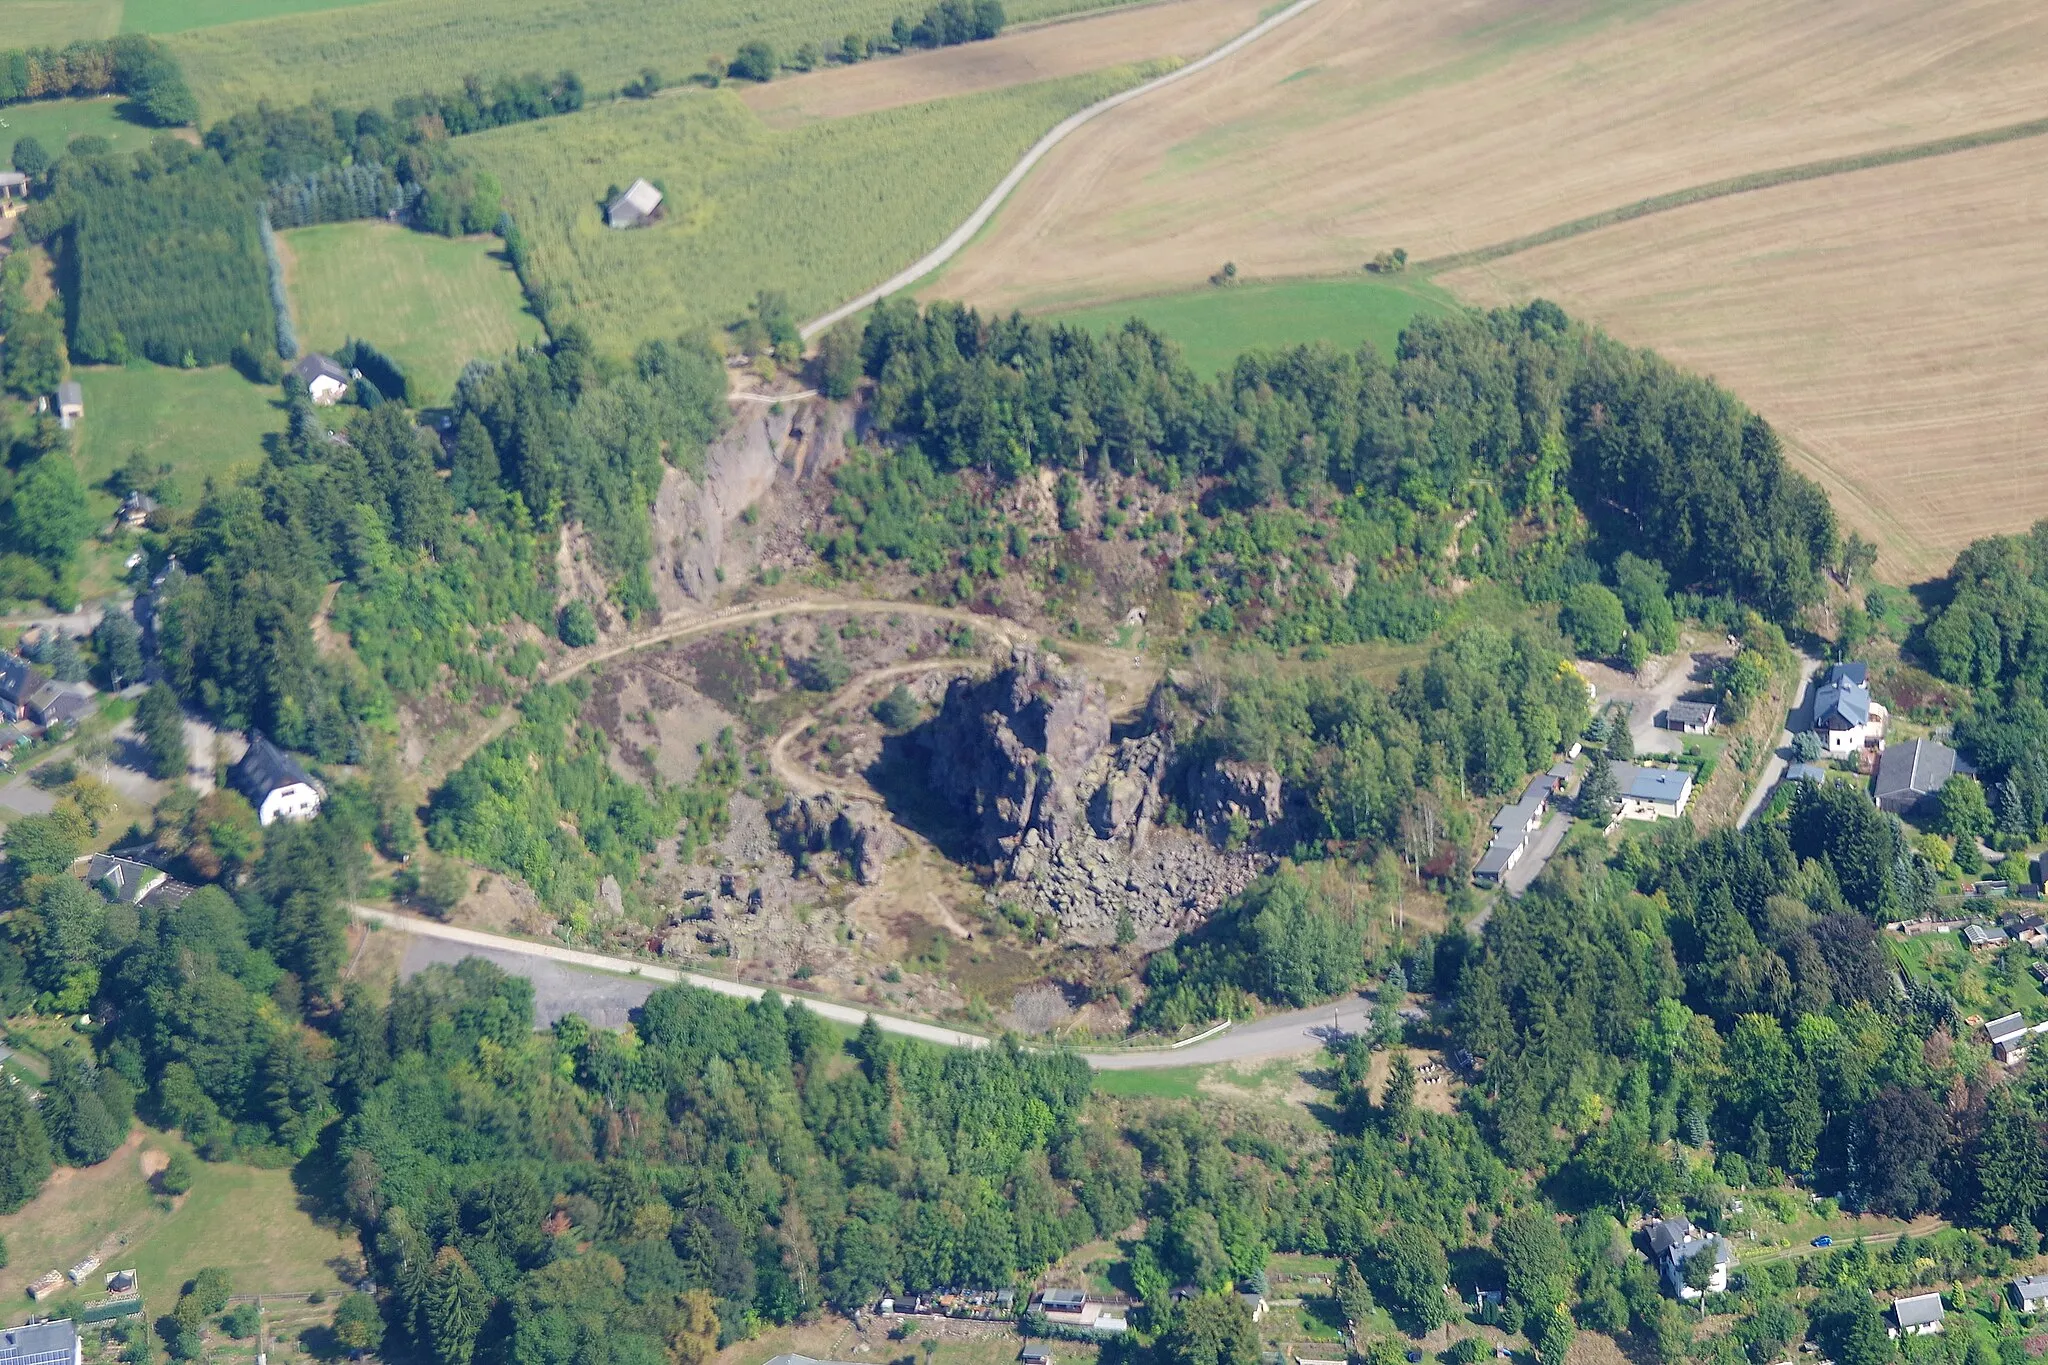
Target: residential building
[
  {"x": 636, "y": 207},
  {"x": 1515, "y": 823},
  {"x": 323, "y": 377},
  {"x": 1652, "y": 793},
  {"x": 56, "y": 703},
  {"x": 1847, "y": 719},
  {"x": 1674, "y": 1242},
  {"x": 19, "y": 680},
  {"x": 1690, "y": 717},
  {"x": 274, "y": 783},
  {"x": 136, "y": 507},
  {"x": 1917, "y": 1315},
  {"x": 1255, "y": 1304},
  {"x": 2030, "y": 1293},
  {"x": 1909, "y": 773},
  {"x": 1983, "y": 935},
  {"x": 120, "y": 879},
  {"x": 70, "y": 403},
  {"x": 1073, "y": 1308},
  {"x": 2010, "y": 1036},
  {"x": 41, "y": 1343}
]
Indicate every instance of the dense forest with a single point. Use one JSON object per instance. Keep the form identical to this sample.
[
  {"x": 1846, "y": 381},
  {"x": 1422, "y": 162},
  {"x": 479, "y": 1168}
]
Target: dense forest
[{"x": 1336, "y": 495}]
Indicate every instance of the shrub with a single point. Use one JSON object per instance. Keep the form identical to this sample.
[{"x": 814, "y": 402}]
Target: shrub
[
  {"x": 577, "y": 625},
  {"x": 754, "y": 62}
]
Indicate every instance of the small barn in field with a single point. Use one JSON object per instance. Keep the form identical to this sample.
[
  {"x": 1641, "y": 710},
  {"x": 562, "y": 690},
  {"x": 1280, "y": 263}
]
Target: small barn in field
[{"x": 637, "y": 207}]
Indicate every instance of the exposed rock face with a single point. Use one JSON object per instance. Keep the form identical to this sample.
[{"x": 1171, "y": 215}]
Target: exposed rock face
[
  {"x": 855, "y": 829},
  {"x": 1070, "y": 816},
  {"x": 1231, "y": 788}
]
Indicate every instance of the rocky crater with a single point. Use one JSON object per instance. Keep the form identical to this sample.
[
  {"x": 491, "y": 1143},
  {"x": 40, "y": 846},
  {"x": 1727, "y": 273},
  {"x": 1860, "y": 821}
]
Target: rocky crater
[{"x": 1071, "y": 816}]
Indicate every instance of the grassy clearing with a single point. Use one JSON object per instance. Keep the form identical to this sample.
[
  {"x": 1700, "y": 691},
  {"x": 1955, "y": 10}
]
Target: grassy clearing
[
  {"x": 433, "y": 44},
  {"x": 431, "y": 303},
  {"x": 53, "y": 23},
  {"x": 1166, "y": 1083},
  {"x": 55, "y": 122},
  {"x": 820, "y": 212},
  {"x": 181, "y": 16},
  {"x": 206, "y": 423},
  {"x": 1214, "y": 325},
  {"x": 248, "y": 1222},
  {"x": 1987, "y": 982}
]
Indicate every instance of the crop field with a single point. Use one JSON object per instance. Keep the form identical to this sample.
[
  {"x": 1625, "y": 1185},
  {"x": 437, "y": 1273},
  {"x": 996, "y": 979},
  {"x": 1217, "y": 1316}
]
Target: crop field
[
  {"x": 203, "y": 423},
  {"x": 1214, "y": 325},
  {"x": 1178, "y": 29},
  {"x": 1363, "y": 126},
  {"x": 400, "y": 47},
  {"x": 1886, "y": 321},
  {"x": 820, "y": 211},
  {"x": 55, "y": 122},
  {"x": 430, "y": 303},
  {"x": 53, "y": 23}
]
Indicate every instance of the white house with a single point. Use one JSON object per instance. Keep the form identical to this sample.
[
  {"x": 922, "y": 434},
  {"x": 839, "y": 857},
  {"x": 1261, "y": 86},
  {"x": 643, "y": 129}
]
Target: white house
[
  {"x": 2030, "y": 1293},
  {"x": 326, "y": 382},
  {"x": 1847, "y": 719},
  {"x": 274, "y": 782},
  {"x": 636, "y": 207},
  {"x": 1652, "y": 793},
  {"x": 1917, "y": 1315}
]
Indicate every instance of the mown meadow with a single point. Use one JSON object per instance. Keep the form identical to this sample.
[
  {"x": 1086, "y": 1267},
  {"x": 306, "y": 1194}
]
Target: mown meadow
[
  {"x": 393, "y": 50},
  {"x": 819, "y": 212}
]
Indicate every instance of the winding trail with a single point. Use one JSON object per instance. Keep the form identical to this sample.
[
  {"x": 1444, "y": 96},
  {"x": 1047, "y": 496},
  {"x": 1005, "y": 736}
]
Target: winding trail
[{"x": 964, "y": 234}]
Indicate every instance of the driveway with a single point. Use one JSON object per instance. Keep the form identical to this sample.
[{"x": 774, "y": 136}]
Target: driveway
[
  {"x": 1518, "y": 877},
  {"x": 1799, "y": 718},
  {"x": 1649, "y": 693}
]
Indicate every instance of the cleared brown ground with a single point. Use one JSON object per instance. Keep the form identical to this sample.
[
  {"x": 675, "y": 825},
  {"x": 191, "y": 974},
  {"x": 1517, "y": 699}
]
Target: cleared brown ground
[
  {"x": 1887, "y": 321},
  {"x": 1180, "y": 28},
  {"x": 1369, "y": 124}
]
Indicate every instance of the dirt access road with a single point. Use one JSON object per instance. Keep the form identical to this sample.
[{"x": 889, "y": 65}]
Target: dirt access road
[{"x": 1293, "y": 1034}]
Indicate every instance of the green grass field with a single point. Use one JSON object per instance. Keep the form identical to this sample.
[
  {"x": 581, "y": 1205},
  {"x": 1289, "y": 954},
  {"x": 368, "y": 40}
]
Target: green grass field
[
  {"x": 53, "y": 23},
  {"x": 401, "y": 49},
  {"x": 431, "y": 303},
  {"x": 182, "y": 16},
  {"x": 203, "y": 423},
  {"x": 55, "y": 122},
  {"x": 248, "y": 1222},
  {"x": 1214, "y": 325},
  {"x": 820, "y": 212}
]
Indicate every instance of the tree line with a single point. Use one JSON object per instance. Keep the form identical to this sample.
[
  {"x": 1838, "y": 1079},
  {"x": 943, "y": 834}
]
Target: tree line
[{"x": 130, "y": 65}]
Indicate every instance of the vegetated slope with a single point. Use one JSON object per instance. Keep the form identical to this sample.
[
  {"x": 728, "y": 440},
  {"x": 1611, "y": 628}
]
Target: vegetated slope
[
  {"x": 382, "y": 51},
  {"x": 1915, "y": 394},
  {"x": 1364, "y": 127},
  {"x": 1178, "y": 28},
  {"x": 432, "y": 304},
  {"x": 821, "y": 211}
]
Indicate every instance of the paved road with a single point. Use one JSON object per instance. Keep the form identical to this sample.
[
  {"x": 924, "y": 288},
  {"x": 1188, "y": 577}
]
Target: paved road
[
  {"x": 568, "y": 980},
  {"x": 1540, "y": 848},
  {"x": 964, "y": 234},
  {"x": 1798, "y": 716}
]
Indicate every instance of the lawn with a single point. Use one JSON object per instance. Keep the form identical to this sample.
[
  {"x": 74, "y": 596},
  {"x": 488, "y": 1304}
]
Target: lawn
[
  {"x": 1214, "y": 325},
  {"x": 248, "y": 1222},
  {"x": 431, "y": 303},
  {"x": 203, "y": 423},
  {"x": 820, "y": 212},
  {"x": 53, "y": 23},
  {"x": 55, "y": 122},
  {"x": 1166, "y": 1083},
  {"x": 433, "y": 44},
  {"x": 1987, "y": 982},
  {"x": 180, "y": 16}
]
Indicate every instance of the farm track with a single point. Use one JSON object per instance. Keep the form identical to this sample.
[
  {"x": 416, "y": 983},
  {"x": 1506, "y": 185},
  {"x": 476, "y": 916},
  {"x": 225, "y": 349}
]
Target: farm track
[
  {"x": 1731, "y": 185},
  {"x": 965, "y": 233}
]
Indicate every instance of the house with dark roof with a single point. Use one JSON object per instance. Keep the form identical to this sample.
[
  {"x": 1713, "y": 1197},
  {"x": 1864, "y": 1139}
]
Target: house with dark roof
[
  {"x": 122, "y": 879},
  {"x": 19, "y": 681},
  {"x": 56, "y": 703},
  {"x": 1514, "y": 825},
  {"x": 1843, "y": 712},
  {"x": 1909, "y": 773},
  {"x": 274, "y": 782},
  {"x": 41, "y": 1343},
  {"x": 323, "y": 377},
  {"x": 1674, "y": 1242},
  {"x": 637, "y": 207},
  {"x": 1690, "y": 717}
]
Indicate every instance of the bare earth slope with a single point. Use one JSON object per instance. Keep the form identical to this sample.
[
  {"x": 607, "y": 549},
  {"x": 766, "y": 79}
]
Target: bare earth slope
[{"x": 1370, "y": 124}]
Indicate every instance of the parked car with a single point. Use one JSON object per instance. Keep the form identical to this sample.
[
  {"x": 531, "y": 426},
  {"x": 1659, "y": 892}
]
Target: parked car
[{"x": 1823, "y": 1241}]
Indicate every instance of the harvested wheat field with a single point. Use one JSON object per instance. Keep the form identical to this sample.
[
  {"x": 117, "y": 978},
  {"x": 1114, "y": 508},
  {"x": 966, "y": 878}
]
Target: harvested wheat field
[
  {"x": 1369, "y": 124},
  {"x": 1067, "y": 47},
  {"x": 1887, "y": 321}
]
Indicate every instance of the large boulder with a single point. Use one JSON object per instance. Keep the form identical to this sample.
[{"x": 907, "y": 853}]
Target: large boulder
[
  {"x": 825, "y": 823},
  {"x": 1230, "y": 788}
]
